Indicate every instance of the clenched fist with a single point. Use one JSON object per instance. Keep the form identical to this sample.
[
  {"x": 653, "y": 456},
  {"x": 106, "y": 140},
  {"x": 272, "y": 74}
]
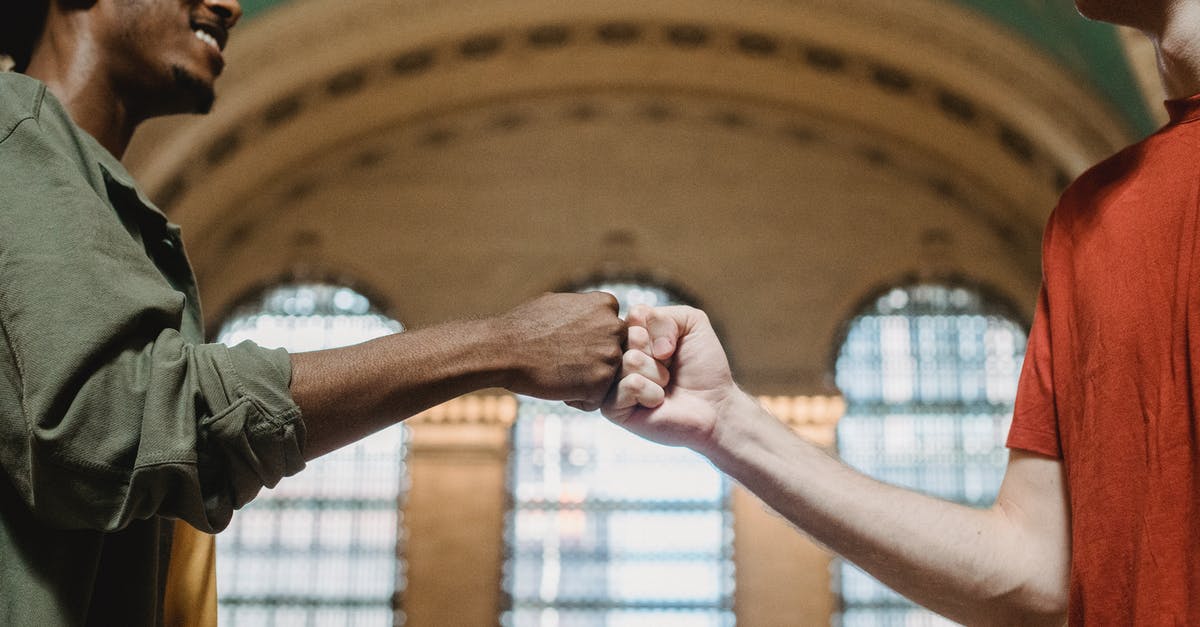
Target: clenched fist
[
  {"x": 675, "y": 379},
  {"x": 564, "y": 347}
]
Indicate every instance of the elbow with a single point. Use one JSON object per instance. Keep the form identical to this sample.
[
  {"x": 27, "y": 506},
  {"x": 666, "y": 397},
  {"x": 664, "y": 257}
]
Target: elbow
[
  {"x": 1026, "y": 617},
  {"x": 1046, "y": 608},
  {"x": 1050, "y": 605},
  {"x": 1043, "y": 597},
  {"x": 1032, "y": 587},
  {"x": 1033, "y": 604}
]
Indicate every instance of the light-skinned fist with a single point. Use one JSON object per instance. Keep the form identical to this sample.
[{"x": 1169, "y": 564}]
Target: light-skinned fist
[{"x": 675, "y": 379}]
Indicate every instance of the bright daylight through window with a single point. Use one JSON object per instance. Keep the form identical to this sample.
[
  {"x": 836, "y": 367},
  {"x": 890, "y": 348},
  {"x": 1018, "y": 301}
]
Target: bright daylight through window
[
  {"x": 341, "y": 516},
  {"x": 929, "y": 373},
  {"x": 609, "y": 530}
]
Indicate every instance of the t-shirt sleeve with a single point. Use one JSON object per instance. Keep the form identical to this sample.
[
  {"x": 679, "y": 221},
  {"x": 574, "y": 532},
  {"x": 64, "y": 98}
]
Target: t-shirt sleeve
[{"x": 1035, "y": 420}]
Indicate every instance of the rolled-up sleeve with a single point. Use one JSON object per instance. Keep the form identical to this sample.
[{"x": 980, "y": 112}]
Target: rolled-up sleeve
[{"x": 107, "y": 412}]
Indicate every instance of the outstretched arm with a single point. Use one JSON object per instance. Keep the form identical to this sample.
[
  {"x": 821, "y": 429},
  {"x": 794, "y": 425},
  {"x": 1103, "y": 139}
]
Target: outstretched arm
[
  {"x": 1000, "y": 566},
  {"x": 110, "y": 412},
  {"x": 560, "y": 347}
]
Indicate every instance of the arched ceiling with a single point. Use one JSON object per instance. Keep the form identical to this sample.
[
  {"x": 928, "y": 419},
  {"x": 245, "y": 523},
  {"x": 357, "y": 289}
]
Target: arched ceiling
[
  {"x": 1090, "y": 49},
  {"x": 779, "y": 159}
]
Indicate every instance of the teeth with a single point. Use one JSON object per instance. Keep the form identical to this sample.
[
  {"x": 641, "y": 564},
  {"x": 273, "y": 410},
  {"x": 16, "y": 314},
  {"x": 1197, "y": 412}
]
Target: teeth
[{"x": 208, "y": 39}]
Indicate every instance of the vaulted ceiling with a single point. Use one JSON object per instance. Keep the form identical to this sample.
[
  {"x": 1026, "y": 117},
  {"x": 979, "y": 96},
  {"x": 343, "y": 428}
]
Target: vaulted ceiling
[{"x": 1089, "y": 49}]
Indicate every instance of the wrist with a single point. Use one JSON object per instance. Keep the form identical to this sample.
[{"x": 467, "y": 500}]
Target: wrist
[
  {"x": 744, "y": 429},
  {"x": 490, "y": 347},
  {"x": 498, "y": 342},
  {"x": 732, "y": 409}
]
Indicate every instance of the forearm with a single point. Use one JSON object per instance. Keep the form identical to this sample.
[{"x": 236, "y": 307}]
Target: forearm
[
  {"x": 975, "y": 566},
  {"x": 347, "y": 393},
  {"x": 559, "y": 346}
]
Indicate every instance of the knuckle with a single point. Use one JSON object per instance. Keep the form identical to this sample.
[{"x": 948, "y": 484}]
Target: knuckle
[
  {"x": 591, "y": 400},
  {"x": 608, "y": 300},
  {"x": 603, "y": 374}
]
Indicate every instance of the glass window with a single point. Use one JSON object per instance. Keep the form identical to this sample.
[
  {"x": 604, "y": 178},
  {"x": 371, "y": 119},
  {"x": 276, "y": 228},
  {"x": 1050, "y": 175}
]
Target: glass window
[
  {"x": 929, "y": 373},
  {"x": 609, "y": 530},
  {"x": 341, "y": 516}
]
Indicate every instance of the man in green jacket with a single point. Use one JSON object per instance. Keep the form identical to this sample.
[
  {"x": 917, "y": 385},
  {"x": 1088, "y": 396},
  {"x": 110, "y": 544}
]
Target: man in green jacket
[{"x": 115, "y": 417}]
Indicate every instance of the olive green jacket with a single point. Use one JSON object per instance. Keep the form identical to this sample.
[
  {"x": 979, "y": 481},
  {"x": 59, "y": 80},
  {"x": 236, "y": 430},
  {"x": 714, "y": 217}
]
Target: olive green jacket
[{"x": 114, "y": 415}]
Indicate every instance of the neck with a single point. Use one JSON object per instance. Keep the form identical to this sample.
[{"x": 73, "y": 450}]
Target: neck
[
  {"x": 1177, "y": 41},
  {"x": 68, "y": 60}
]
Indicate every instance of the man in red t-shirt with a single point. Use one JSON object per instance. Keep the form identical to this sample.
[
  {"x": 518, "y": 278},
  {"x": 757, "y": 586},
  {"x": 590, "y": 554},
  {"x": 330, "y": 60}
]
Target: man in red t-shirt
[{"x": 1098, "y": 516}]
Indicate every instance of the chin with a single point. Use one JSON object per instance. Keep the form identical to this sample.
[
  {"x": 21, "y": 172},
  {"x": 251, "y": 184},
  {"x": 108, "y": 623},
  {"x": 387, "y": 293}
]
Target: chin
[{"x": 196, "y": 94}]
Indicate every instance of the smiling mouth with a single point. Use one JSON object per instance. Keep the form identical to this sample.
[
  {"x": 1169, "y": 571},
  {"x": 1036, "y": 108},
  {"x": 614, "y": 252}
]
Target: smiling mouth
[
  {"x": 211, "y": 34},
  {"x": 208, "y": 39}
]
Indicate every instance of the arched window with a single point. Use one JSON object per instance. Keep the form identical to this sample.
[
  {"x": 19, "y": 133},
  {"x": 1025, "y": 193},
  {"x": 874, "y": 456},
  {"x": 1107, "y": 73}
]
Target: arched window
[
  {"x": 608, "y": 529},
  {"x": 929, "y": 373},
  {"x": 324, "y": 546}
]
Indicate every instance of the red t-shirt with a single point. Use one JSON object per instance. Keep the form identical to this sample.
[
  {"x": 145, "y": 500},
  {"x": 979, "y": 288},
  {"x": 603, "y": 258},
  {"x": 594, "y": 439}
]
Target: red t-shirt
[{"x": 1110, "y": 376}]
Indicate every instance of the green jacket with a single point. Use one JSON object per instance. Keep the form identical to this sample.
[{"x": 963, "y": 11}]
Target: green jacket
[{"x": 114, "y": 415}]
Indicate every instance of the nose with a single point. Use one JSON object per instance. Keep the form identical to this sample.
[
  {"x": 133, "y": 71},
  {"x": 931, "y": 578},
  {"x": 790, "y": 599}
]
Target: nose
[{"x": 230, "y": 11}]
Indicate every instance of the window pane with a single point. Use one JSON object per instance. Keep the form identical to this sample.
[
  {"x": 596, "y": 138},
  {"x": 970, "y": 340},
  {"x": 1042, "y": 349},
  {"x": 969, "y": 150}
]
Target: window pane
[
  {"x": 608, "y": 529},
  {"x": 929, "y": 373},
  {"x": 341, "y": 516}
]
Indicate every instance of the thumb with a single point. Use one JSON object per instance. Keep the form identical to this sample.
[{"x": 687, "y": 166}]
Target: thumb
[{"x": 666, "y": 326}]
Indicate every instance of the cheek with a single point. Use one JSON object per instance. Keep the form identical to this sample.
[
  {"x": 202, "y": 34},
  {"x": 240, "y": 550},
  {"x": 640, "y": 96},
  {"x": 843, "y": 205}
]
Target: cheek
[{"x": 151, "y": 27}]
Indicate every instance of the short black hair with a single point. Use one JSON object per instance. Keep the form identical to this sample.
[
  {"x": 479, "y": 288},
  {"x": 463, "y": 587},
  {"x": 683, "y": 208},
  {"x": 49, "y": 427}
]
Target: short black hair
[{"x": 21, "y": 23}]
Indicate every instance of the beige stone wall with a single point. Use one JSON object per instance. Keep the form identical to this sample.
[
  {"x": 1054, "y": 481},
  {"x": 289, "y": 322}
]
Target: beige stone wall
[{"x": 454, "y": 523}]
